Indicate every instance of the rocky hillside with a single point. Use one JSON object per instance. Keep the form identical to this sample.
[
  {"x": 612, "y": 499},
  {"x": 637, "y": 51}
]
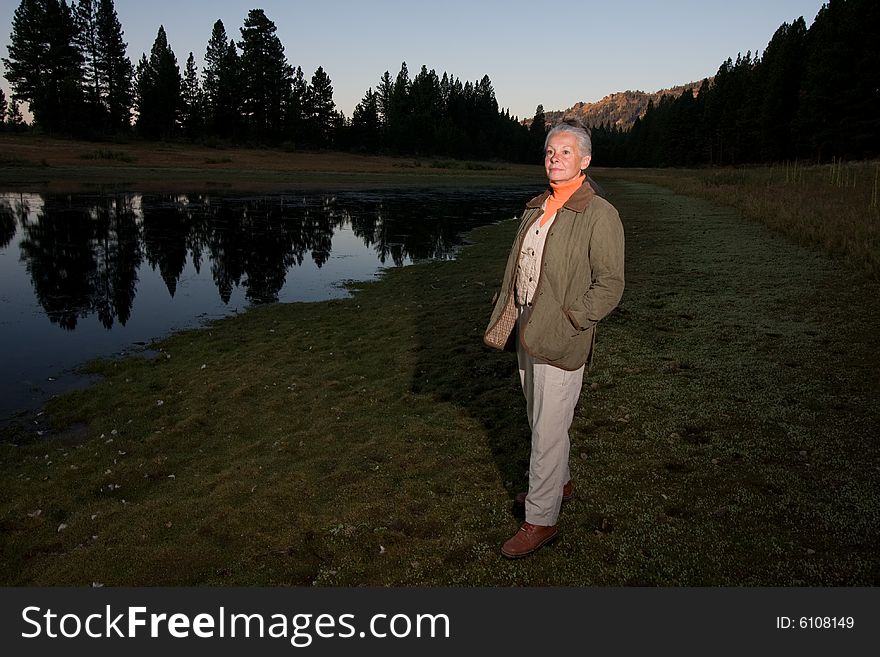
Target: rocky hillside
[{"x": 619, "y": 109}]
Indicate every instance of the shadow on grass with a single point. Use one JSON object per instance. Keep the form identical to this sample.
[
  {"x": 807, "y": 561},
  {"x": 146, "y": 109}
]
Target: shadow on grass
[{"x": 455, "y": 367}]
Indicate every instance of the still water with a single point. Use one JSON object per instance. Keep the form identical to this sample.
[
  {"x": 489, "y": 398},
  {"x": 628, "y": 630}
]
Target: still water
[{"x": 85, "y": 276}]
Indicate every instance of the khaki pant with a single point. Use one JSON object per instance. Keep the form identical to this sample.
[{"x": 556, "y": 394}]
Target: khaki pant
[{"x": 551, "y": 396}]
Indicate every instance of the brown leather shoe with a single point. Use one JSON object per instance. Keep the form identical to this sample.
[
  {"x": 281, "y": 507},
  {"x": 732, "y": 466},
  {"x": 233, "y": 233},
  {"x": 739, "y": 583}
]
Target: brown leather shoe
[
  {"x": 567, "y": 495},
  {"x": 528, "y": 539}
]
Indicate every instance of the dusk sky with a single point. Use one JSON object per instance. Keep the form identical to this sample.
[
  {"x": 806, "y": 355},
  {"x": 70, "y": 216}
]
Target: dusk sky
[{"x": 533, "y": 56}]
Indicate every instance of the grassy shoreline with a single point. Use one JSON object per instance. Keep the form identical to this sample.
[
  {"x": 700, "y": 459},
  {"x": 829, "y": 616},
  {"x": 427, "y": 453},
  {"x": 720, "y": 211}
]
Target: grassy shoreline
[
  {"x": 725, "y": 435},
  {"x": 834, "y": 207}
]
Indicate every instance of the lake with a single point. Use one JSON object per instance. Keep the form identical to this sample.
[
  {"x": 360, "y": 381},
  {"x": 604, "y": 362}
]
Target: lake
[{"x": 99, "y": 275}]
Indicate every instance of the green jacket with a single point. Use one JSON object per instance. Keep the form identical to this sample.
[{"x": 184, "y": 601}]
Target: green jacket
[{"x": 581, "y": 281}]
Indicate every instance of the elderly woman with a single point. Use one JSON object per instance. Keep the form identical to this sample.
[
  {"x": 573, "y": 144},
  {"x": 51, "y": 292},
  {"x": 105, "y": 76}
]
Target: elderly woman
[{"x": 563, "y": 275}]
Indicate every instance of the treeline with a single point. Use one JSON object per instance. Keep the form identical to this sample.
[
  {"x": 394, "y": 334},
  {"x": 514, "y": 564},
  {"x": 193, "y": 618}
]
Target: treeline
[
  {"x": 69, "y": 63},
  {"x": 813, "y": 94},
  {"x": 433, "y": 115}
]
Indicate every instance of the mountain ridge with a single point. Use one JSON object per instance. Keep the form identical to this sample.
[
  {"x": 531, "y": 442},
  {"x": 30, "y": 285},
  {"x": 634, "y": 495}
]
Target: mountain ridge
[{"x": 619, "y": 109}]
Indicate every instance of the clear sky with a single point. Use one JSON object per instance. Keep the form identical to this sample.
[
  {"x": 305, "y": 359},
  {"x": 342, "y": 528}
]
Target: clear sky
[{"x": 533, "y": 54}]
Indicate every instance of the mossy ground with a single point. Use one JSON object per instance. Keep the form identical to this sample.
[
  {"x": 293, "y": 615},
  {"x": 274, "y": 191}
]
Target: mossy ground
[{"x": 725, "y": 436}]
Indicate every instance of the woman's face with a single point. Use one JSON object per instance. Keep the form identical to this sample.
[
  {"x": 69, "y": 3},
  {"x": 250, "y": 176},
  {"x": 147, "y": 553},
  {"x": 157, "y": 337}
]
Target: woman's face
[{"x": 562, "y": 159}]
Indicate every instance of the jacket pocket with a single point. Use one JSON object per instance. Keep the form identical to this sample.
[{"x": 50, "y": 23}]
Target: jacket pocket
[{"x": 576, "y": 330}]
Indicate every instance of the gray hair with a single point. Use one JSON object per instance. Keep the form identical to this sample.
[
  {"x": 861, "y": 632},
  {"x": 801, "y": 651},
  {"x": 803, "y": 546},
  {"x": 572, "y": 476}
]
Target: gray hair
[{"x": 579, "y": 130}]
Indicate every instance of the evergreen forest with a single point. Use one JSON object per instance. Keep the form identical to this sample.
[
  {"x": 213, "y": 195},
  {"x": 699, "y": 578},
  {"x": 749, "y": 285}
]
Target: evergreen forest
[{"x": 813, "y": 93}]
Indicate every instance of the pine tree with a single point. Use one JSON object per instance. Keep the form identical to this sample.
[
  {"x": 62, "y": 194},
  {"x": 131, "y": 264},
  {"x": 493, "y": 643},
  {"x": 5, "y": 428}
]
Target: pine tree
[
  {"x": 107, "y": 71},
  {"x": 192, "y": 100},
  {"x": 487, "y": 105},
  {"x": 682, "y": 130},
  {"x": 456, "y": 110},
  {"x": 266, "y": 75},
  {"x": 397, "y": 126},
  {"x": 538, "y": 131},
  {"x": 779, "y": 74},
  {"x": 321, "y": 109},
  {"x": 214, "y": 54},
  {"x": 220, "y": 84},
  {"x": 383, "y": 97},
  {"x": 144, "y": 82},
  {"x": 14, "y": 119},
  {"x": 44, "y": 66},
  {"x": 28, "y": 50},
  {"x": 114, "y": 68},
  {"x": 445, "y": 90},
  {"x": 3, "y": 108},
  {"x": 158, "y": 90},
  {"x": 213, "y": 74},
  {"x": 233, "y": 87},
  {"x": 426, "y": 106},
  {"x": 513, "y": 139},
  {"x": 839, "y": 109},
  {"x": 295, "y": 123},
  {"x": 87, "y": 42},
  {"x": 452, "y": 136},
  {"x": 365, "y": 124},
  {"x": 724, "y": 109}
]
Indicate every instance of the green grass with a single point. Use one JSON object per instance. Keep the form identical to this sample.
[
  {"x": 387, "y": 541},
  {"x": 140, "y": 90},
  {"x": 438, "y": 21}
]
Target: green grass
[{"x": 725, "y": 436}]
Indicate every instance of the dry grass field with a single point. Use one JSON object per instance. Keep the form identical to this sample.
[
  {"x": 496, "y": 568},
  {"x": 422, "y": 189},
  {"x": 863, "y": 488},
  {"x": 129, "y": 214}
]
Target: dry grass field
[
  {"x": 833, "y": 207},
  {"x": 53, "y": 165}
]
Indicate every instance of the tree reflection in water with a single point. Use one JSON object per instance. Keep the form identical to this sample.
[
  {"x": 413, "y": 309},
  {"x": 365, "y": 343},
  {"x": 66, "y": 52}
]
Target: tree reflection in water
[{"x": 83, "y": 253}]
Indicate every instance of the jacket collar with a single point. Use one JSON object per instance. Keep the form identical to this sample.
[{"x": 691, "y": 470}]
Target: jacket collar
[{"x": 577, "y": 202}]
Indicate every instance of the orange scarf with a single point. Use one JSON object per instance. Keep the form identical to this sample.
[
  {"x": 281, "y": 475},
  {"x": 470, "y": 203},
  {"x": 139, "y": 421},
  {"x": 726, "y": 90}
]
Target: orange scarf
[{"x": 561, "y": 193}]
